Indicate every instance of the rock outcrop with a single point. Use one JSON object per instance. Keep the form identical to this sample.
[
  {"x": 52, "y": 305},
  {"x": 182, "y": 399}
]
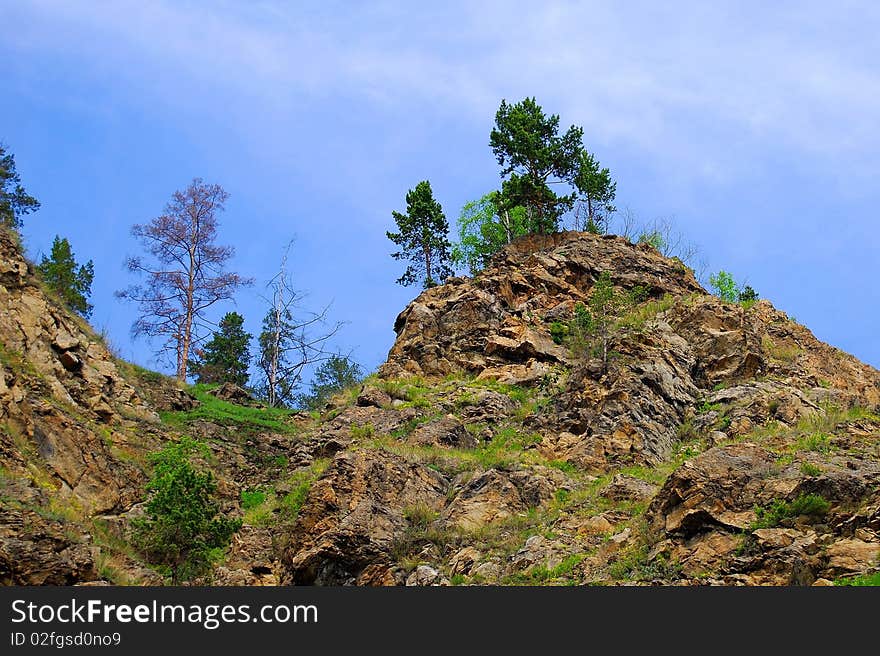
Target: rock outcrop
[{"x": 719, "y": 443}]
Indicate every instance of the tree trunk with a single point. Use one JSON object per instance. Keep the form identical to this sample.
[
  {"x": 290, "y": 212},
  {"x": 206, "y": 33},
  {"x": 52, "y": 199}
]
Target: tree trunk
[
  {"x": 429, "y": 281},
  {"x": 186, "y": 336}
]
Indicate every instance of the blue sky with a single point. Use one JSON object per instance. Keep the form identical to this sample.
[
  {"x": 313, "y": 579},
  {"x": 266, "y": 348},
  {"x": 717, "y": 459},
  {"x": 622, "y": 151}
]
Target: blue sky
[{"x": 755, "y": 127}]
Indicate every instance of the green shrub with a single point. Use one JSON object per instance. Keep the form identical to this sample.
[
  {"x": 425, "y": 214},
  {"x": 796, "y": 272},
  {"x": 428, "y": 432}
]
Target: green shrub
[
  {"x": 183, "y": 530},
  {"x": 809, "y": 469},
  {"x": 724, "y": 286},
  {"x": 559, "y": 332},
  {"x": 811, "y": 505},
  {"x": 747, "y": 296},
  {"x": 654, "y": 239}
]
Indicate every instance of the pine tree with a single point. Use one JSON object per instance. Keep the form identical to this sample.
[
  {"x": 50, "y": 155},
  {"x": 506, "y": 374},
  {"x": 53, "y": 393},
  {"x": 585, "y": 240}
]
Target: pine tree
[
  {"x": 71, "y": 281},
  {"x": 527, "y": 144},
  {"x": 14, "y": 200},
  {"x": 423, "y": 238},
  {"x": 596, "y": 191},
  {"x": 334, "y": 375},
  {"x": 226, "y": 356}
]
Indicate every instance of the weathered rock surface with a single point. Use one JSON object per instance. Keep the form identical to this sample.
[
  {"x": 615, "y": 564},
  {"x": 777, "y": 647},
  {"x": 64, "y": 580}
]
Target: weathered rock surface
[
  {"x": 484, "y": 453},
  {"x": 354, "y": 514}
]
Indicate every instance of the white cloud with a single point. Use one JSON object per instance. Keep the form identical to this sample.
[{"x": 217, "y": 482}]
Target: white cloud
[{"x": 668, "y": 80}]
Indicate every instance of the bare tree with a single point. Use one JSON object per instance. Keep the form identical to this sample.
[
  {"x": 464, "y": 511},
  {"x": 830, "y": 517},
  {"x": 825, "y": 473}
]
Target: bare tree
[
  {"x": 187, "y": 276},
  {"x": 663, "y": 235},
  {"x": 288, "y": 342}
]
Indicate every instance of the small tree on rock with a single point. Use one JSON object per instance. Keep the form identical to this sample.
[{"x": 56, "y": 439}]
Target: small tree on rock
[
  {"x": 423, "y": 237},
  {"x": 533, "y": 156},
  {"x": 596, "y": 192},
  {"x": 484, "y": 228},
  {"x": 183, "y": 529},
  {"x": 15, "y": 202},
  {"x": 226, "y": 356},
  {"x": 72, "y": 282}
]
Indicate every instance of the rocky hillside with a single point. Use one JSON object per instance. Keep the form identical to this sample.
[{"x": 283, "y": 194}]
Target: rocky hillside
[{"x": 719, "y": 444}]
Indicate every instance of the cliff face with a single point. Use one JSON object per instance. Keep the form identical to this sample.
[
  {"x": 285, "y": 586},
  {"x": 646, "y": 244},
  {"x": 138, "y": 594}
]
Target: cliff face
[
  {"x": 70, "y": 423},
  {"x": 719, "y": 444},
  {"x": 693, "y": 456}
]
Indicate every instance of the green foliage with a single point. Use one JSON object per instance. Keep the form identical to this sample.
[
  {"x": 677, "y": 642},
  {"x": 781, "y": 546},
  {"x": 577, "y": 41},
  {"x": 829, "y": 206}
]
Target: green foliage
[
  {"x": 596, "y": 191},
  {"x": 705, "y": 407},
  {"x": 542, "y": 574},
  {"x": 870, "y": 580},
  {"x": 654, "y": 239},
  {"x": 334, "y": 375},
  {"x": 423, "y": 238},
  {"x": 636, "y": 564},
  {"x": 813, "y": 505},
  {"x": 484, "y": 228},
  {"x": 226, "y": 357},
  {"x": 809, "y": 469},
  {"x": 533, "y": 155},
  {"x": 643, "y": 312},
  {"x": 747, "y": 295},
  {"x": 252, "y": 498},
  {"x": 816, "y": 441},
  {"x": 245, "y": 419},
  {"x": 559, "y": 332},
  {"x": 182, "y": 530},
  {"x": 72, "y": 282},
  {"x": 14, "y": 200},
  {"x": 725, "y": 286}
]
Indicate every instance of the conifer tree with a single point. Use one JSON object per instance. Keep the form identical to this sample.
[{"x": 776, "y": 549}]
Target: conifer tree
[
  {"x": 71, "y": 281},
  {"x": 14, "y": 200},
  {"x": 423, "y": 238},
  {"x": 226, "y": 356}
]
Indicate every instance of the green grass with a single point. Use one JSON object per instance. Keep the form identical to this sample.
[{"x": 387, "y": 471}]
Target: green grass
[
  {"x": 810, "y": 505},
  {"x": 645, "y": 312},
  {"x": 780, "y": 352},
  {"x": 248, "y": 419},
  {"x": 818, "y": 442},
  {"x": 634, "y": 564},
  {"x": 541, "y": 574},
  {"x": 282, "y": 509},
  {"x": 507, "y": 448},
  {"x": 865, "y": 580},
  {"x": 809, "y": 469},
  {"x": 252, "y": 498}
]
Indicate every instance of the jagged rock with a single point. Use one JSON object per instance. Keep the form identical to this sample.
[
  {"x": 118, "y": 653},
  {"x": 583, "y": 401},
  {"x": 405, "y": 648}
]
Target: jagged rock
[
  {"x": 354, "y": 514},
  {"x": 232, "y": 393},
  {"x": 423, "y": 575},
  {"x": 489, "y": 406},
  {"x": 70, "y": 361},
  {"x": 373, "y": 396},
  {"x": 539, "y": 551},
  {"x": 464, "y": 560},
  {"x": 848, "y": 557},
  {"x": 497, "y": 319},
  {"x": 684, "y": 373},
  {"x": 446, "y": 431},
  {"x": 38, "y": 551},
  {"x": 64, "y": 341},
  {"x": 251, "y": 559},
  {"x": 486, "y": 498},
  {"x": 628, "y": 488},
  {"x": 173, "y": 399},
  {"x": 718, "y": 488}
]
